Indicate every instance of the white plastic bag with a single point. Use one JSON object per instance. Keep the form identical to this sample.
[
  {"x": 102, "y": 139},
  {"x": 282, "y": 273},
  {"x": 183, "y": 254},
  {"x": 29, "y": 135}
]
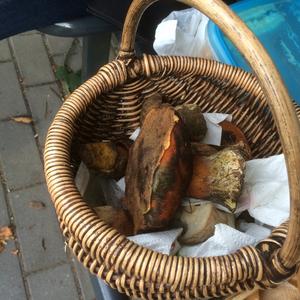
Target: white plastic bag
[{"x": 183, "y": 33}]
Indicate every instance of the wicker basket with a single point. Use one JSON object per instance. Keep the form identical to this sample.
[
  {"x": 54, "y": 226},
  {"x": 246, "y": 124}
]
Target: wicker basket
[
  {"x": 290, "y": 291},
  {"x": 107, "y": 107}
]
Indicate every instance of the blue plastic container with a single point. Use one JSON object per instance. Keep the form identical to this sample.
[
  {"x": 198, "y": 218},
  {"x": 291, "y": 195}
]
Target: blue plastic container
[{"x": 276, "y": 23}]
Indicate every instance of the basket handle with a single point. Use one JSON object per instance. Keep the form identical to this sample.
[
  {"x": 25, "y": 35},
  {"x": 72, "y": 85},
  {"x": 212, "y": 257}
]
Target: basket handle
[{"x": 272, "y": 85}]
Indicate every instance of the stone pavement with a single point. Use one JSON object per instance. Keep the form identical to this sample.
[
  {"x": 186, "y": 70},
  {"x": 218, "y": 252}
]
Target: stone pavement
[{"x": 35, "y": 265}]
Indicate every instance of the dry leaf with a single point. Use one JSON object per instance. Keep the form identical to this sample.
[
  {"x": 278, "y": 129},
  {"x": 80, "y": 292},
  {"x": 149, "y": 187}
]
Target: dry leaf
[
  {"x": 14, "y": 252},
  {"x": 5, "y": 235},
  {"x": 22, "y": 119},
  {"x": 37, "y": 204}
]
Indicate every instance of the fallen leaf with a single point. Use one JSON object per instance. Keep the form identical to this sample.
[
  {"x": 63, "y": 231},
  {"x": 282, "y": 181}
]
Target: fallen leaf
[
  {"x": 37, "y": 204},
  {"x": 14, "y": 252},
  {"x": 22, "y": 119},
  {"x": 5, "y": 234}
]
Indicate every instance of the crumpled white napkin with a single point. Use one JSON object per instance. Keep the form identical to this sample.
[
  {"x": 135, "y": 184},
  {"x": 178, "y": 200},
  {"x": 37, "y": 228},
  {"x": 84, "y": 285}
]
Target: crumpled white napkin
[
  {"x": 214, "y": 130},
  {"x": 266, "y": 190},
  {"x": 224, "y": 241},
  {"x": 257, "y": 231}
]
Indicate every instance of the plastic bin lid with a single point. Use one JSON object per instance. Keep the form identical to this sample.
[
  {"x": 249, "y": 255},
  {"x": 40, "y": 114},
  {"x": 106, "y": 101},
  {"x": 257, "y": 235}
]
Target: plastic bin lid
[{"x": 276, "y": 23}]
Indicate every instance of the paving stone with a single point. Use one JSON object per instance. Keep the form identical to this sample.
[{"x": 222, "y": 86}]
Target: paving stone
[
  {"x": 4, "y": 219},
  {"x": 75, "y": 61},
  {"x": 32, "y": 59},
  {"x": 11, "y": 98},
  {"x": 19, "y": 155},
  {"x": 4, "y": 51},
  {"x": 59, "y": 45},
  {"x": 40, "y": 240},
  {"x": 11, "y": 282},
  {"x": 57, "y": 283},
  {"x": 37, "y": 229},
  {"x": 85, "y": 282},
  {"x": 44, "y": 102}
]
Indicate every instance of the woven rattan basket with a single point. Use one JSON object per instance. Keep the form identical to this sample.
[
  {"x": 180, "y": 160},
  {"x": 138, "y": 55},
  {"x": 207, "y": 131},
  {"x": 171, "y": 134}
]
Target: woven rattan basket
[{"x": 107, "y": 107}]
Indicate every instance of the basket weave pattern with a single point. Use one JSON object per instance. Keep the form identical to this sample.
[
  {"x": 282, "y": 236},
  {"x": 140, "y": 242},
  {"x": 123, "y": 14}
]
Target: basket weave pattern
[{"x": 85, "y": 116}]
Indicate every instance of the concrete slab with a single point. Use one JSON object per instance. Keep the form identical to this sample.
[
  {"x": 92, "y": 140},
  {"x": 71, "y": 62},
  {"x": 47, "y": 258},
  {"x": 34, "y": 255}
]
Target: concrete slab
[
  {"x": 11, "y": 99},
  {"x": 19, "y": 155},
  {"x": 44, "y": 265},
  {"x": 32, "y": 59},
  {"x": 85, "y": 282},
  {"x": 4, "y": 218},
  {"x": 37, "y": 229},
  {"x": 75, "y": 61},
  {"x": 11, "y": 281},
  {"x": 58, "y": 45},
  {"x": 44, "y": 102},
  {"x": 4, "y": 51},
  {"x": 56, "y": 283}
]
